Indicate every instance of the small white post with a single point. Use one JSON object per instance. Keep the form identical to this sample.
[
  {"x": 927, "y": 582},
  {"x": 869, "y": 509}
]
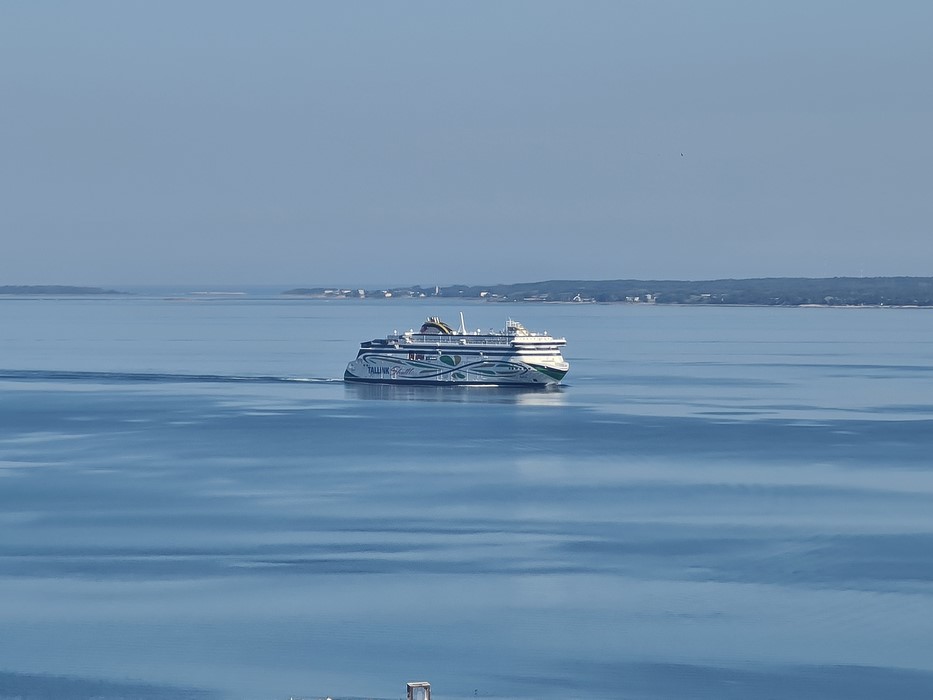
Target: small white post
[{"x": 419, "y": 690}]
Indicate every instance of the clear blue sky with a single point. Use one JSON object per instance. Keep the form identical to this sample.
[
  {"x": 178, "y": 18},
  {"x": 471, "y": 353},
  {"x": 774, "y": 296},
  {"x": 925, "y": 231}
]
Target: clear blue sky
[{"x": 478, "y": 142}]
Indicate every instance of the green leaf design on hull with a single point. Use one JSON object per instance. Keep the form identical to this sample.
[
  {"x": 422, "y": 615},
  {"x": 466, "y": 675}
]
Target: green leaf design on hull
[{"x": 453, "y": 369}]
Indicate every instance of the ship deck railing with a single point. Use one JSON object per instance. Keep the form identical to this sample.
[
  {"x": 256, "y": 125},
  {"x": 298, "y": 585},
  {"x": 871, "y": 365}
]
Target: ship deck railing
[{"x": 454, "y": 340}]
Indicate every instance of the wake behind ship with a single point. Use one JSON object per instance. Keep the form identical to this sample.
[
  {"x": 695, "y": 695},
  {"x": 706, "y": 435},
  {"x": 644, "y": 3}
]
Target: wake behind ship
[{"x": 438, "y": 354}]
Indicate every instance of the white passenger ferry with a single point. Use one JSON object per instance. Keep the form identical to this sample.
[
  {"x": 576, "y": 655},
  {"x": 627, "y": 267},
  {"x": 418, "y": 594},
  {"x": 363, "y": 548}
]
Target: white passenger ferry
[{"x": 438, "y": 354}]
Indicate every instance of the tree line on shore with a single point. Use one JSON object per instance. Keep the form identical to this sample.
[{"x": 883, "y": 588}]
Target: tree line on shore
[{"x": 774, "y": 291}]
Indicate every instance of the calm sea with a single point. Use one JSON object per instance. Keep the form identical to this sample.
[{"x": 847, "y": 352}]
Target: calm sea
[{"x": 720, "y": 503}]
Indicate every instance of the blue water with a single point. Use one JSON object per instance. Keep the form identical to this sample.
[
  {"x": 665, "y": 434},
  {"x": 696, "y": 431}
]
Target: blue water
[{"x": 720, "y": 503}]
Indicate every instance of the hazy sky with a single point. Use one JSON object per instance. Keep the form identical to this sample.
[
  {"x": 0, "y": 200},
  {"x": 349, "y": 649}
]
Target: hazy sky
[{"x": 476, "y": 142}]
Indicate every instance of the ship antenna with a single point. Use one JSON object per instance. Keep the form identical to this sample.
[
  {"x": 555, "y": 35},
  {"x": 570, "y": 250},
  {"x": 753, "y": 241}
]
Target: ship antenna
[{"x": 462, "y": 325}]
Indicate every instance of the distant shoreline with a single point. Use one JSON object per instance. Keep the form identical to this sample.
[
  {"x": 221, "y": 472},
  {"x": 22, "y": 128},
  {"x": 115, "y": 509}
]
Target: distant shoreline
[
  {"x": 835, "y": 292},
  {"x": 56, "y": 289}
]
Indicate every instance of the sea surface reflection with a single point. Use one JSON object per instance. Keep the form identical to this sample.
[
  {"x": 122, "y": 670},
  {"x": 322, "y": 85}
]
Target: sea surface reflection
[{"x": 522, "y": 396}]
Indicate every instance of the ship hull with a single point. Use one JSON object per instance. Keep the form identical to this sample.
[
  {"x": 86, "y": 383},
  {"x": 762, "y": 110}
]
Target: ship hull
[{"x": 456, "y": 369}]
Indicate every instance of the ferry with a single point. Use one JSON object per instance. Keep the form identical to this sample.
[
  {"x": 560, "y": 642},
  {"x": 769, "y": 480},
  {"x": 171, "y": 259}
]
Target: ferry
[{"x": 439, "y": 355}]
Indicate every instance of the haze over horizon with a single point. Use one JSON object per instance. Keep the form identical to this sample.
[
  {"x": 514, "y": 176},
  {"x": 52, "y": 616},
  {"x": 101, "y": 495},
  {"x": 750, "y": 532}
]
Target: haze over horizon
[{"x": 289, "y": 144}]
